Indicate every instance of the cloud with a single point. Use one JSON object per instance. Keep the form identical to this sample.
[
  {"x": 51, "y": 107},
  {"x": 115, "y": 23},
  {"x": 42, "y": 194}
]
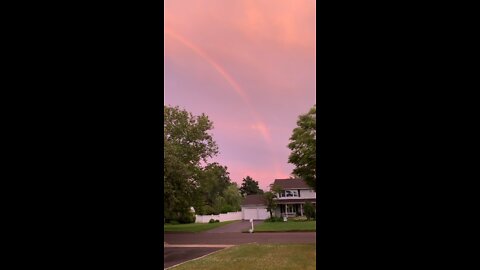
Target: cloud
[{"x": 250, "y": 66}]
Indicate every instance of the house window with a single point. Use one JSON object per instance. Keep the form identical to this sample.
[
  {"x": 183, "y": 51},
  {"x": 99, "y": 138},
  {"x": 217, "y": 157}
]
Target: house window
[
  {"x": 291, "y": 193},
  {"x": 288, "y": 193}
]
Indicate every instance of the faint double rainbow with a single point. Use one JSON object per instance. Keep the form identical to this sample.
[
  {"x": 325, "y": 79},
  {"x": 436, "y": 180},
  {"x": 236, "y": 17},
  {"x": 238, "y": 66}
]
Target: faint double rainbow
[{"x": 260, "y": 125}]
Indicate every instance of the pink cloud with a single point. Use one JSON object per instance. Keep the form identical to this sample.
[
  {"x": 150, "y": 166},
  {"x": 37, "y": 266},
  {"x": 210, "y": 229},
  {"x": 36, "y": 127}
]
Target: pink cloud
[{"x": 250, "y": 66}]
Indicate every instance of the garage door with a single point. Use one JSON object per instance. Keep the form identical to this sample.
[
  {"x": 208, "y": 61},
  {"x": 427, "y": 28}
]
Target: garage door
[
  {"x": 263, "y": 214},
  {"x": 255, "y": 213}
]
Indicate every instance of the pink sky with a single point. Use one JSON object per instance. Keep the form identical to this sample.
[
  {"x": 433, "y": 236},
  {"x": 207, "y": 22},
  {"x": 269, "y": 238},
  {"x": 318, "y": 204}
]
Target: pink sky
[{"x": 248, "y": 65}]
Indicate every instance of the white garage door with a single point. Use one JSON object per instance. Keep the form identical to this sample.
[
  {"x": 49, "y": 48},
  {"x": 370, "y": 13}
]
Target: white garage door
[
  {"x": 255, "y": 213},
  {"x": 263, "y": 214}
]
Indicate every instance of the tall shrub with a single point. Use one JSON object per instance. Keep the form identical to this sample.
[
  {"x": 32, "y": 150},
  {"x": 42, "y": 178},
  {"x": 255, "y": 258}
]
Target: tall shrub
[{"x": 309, "y": 210}]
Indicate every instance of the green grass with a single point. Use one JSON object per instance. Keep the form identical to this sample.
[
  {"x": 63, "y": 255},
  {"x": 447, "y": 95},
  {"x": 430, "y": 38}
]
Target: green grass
[
  {"x": 193, "y": 227},
  {"x": 288, "y": 226},
  {"x": 257, "y": 256}
]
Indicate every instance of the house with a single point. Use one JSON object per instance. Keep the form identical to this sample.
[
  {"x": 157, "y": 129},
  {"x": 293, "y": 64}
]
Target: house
[
  {"x": 290, "y": 201},
  {"x": 295, "y": 193}
]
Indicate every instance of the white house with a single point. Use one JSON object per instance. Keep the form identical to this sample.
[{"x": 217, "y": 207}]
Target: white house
[
  {"x": 290, "y": 201},
  {"x": 295, "y": 193}
]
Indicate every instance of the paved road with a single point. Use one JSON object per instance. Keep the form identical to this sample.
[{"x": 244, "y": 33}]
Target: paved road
[
  {"x": 238, "y": 226},
  {"x": 239, "y": 238}
]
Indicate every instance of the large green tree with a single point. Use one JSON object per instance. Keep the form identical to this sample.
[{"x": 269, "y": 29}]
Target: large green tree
[
  {"x": 216, "y": 191},
  {"x": 187, "y": 143},
  {"x": 303, "y": 148},
  {"x": 214, "y": 180},
  {"x": 233, "y": 198},
  {"x": 249, "y": 187}
]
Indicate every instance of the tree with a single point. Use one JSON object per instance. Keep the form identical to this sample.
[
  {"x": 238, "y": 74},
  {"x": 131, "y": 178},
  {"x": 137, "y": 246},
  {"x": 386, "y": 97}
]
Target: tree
[
  {"x": 216, "y": 193},
  {"x": 249, "y": 187},
  {"x": 309, "y": 210},
  {"x": 303, "y": 148},
  {"x": 233, "y": 198},
  {"x": 213, "y": 182},
  {"x": 276, "y": 189},
  {"x": 270, "y": 197},
  {"x": 186, "y": 143},
  {"x": 271, "y": 203}
]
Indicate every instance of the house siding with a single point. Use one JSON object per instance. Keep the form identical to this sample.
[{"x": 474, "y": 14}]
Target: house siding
[
  {"x": 308, "y": 194},
  {"x": 297, "y": 203}
]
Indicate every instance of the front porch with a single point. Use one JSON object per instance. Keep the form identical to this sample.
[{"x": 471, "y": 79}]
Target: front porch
[{"x": 289, "y": 210}]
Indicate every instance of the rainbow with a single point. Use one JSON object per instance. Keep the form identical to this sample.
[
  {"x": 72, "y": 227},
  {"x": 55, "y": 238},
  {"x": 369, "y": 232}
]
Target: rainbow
[
  {"x": 260, "y": 125},
  {"x": 262, "y": 128},
  {"x": 214, "y": 64}
]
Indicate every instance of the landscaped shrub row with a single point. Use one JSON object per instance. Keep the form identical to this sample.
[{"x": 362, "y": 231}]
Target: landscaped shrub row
[
  {"x": 187, "y": 218},
  {"x": 279, "y": 219},
  {"x": 299, "y": 218},
  {"x": 274, "y": 219}
]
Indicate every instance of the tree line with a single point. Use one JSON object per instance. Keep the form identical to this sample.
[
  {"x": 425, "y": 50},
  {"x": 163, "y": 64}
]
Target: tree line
[{"x": 191, "y": 180}]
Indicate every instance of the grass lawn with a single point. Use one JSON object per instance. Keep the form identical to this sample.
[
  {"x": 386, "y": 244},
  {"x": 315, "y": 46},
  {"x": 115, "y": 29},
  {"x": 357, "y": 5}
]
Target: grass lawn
[
  {"x": 193, "y": 227},
  {"x": 288, "y": 226},
  {"x": 257, "y": 256}
]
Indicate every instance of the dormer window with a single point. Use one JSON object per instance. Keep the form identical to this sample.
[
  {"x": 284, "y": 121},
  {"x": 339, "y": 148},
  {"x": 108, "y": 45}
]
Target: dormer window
[
  {"x": 294, "y": 193},
  {"x": 288, "y": 193}
]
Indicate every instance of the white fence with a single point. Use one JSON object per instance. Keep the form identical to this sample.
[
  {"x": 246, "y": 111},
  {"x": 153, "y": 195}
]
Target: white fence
[{"x": 222, "y": 217}]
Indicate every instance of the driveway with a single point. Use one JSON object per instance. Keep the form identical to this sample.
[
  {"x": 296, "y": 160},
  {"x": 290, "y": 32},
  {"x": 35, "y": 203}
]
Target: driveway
[{"x": 238, "y": 227}]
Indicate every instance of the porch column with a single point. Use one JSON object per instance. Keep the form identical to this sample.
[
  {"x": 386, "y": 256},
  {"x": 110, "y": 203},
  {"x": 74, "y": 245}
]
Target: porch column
[{"x": 301, "y": 209}]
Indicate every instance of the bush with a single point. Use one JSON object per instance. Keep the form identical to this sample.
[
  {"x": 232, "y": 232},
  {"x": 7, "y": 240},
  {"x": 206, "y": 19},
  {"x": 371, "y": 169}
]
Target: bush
[
  {"x": 217, "y": 220},
  {"x": 309, "y": 210},
  {"x": 174, "y": 222},
  {"x": 274, "y": 219},
  {"x": 208, "y": 210},
  {"x": 211, "y": 220},
  {"x": 227, "y": 208},
  {"x": 299, "y": 218},
  {"x": 200, "y": 211},
  {"x": 186, "y": 218}
]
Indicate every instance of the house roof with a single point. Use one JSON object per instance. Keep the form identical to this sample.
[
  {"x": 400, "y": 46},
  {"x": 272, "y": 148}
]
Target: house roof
[
  {"x": 291, "y": 183},
  {"x": 257, "y": 199}
]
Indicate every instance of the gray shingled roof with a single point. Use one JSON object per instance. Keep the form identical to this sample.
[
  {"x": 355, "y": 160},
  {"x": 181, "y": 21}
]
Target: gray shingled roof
[
  {"x": 291, "y": 183},
  {"x": 256, "y": 199}
]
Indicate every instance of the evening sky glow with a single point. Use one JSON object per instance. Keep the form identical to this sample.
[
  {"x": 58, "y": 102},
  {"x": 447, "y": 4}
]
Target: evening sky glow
[{"x": 249, "y": 66}]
